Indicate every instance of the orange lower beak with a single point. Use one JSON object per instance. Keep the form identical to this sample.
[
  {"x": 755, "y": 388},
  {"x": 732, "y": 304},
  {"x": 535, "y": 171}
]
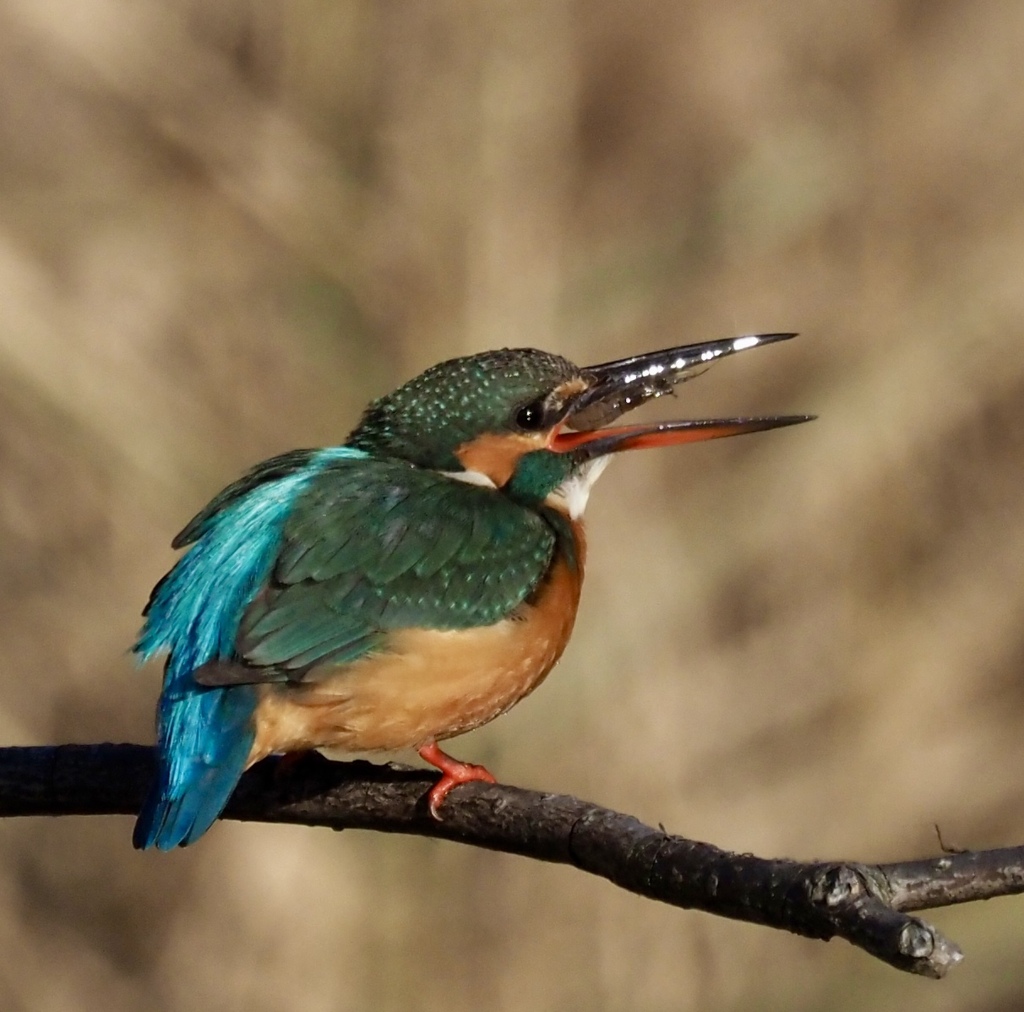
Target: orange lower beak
[{"x": 599, "y": 442}]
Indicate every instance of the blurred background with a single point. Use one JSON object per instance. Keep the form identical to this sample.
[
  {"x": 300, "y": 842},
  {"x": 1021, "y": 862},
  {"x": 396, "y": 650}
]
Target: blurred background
[{"x": 225, "y": 225}]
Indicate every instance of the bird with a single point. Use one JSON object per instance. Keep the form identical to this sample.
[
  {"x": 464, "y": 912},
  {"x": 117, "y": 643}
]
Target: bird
[{"x": 404, "y": 587}]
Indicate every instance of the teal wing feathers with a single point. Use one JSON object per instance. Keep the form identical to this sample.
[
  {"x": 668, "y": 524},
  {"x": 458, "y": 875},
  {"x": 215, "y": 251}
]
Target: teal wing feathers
[{"x": 373, "y": 546}]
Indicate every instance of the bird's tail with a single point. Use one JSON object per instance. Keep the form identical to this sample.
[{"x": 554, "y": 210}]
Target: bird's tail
[
  {"x": 205, "y": 733},
  {"x": 204, "y": 742}
]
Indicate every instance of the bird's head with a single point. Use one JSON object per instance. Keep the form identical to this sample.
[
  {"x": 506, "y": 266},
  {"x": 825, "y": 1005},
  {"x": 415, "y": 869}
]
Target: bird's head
[{"x": 532, "y": 424}]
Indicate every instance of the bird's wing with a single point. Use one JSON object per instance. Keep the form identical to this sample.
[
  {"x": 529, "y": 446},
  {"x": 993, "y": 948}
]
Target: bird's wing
[{"x": 373, "y": 546}]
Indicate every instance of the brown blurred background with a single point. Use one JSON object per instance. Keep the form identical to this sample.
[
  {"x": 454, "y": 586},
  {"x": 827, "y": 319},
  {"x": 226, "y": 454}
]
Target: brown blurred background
[{"x": 227, "y": 224}]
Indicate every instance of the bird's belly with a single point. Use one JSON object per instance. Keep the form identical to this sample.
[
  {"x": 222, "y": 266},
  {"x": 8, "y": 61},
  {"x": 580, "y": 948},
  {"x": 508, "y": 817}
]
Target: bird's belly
[{"x": 428, "y": 685}]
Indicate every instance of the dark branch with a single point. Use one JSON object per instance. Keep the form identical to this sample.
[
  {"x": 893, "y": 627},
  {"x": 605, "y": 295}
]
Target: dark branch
[{"x": 865, "y": 904}]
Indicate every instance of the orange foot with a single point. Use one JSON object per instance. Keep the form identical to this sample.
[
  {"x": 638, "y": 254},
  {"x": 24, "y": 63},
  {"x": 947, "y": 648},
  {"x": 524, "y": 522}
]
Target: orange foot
[{"x": 454, "y": 773}]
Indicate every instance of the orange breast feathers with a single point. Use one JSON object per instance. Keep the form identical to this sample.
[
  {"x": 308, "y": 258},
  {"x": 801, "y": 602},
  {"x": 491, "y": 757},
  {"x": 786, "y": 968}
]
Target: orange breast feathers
[{"x": 428, "y": 684}]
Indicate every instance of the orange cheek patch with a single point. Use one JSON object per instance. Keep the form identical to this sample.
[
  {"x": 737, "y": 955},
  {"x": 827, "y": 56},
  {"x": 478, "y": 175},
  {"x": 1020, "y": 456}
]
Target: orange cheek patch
[{"x": 497, "y": 455}]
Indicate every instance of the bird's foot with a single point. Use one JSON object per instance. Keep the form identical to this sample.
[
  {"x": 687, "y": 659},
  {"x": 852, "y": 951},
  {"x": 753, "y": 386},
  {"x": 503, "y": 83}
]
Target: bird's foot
[{"x": 453, "y": 773}]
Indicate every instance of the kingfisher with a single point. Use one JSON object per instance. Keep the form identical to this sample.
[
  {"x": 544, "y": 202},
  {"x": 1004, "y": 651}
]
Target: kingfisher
[{"x": 404, "y": 587}]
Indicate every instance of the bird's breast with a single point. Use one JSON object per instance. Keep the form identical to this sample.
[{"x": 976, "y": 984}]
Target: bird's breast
[{"x": 428, "y": 684}]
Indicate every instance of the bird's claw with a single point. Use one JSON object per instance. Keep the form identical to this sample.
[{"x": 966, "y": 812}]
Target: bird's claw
[
  {"x": 453, "y": 773},
  {"x": 464, "y": 773}
]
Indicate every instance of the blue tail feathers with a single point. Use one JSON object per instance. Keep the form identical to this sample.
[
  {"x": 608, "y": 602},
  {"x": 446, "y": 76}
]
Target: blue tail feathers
[
  {"x": 205, "y": 739},
  {"x": 205, "y": 734}
]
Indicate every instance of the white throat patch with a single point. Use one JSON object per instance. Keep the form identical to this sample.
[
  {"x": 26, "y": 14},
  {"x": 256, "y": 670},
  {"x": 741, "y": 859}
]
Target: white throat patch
[
  {"x": 471, "y": 478},
  {"x": 572, "y": 494}
]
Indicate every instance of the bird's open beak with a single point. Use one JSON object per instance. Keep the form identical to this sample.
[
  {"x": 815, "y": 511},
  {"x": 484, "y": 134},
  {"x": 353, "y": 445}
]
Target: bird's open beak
[{"x": 618, "y": 387}]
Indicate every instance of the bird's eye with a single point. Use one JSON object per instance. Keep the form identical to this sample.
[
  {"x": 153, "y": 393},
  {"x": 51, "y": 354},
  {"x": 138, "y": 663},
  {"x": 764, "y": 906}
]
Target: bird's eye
[{"x": 531, "y": 417}]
